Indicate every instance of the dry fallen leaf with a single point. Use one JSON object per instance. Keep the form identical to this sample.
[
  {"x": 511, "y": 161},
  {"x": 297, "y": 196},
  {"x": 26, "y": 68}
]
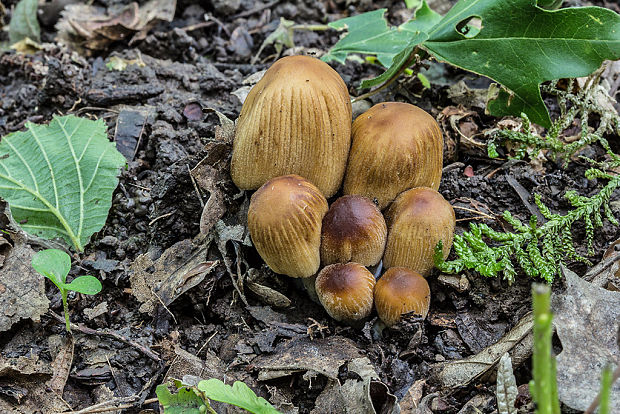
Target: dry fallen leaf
[
  {"x": 586, "y": 319},
  {"x": 94, "y": 28},
  {"x": 22, "y": 290},
  {"x": 180, "y": 267},
  {"x": 518, "y": 342}
]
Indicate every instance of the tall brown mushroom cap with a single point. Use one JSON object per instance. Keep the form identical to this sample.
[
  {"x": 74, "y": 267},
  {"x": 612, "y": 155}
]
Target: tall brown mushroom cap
[
  {"x": 396, "y": 146},
  {"x": 284, "y": 220},
  {"x": 417, "y": 220},
  {"x": 346, "y": 291},
  {"x": 354, "y": 230},
  {"x": 295, "y": 120},
  {"x": 399, "y": 291}
]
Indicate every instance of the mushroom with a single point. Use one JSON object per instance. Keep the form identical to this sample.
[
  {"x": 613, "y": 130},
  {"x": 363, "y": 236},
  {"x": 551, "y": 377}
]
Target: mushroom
[
  {"x": 295, "y": 120},
  {"x": 346, "y": 291},
  {"x": 284, "y": 219},
  {"x": 354, "y": 230},
  {"x": 400, "y": 291},
  {"x": 396, "y": 146},
  {"x": 417, "y": 220}
]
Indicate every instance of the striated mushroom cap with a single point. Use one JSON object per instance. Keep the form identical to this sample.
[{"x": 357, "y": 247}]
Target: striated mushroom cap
[
  {"x": 399, "y": 291},
  {"x": 417, "y": 220},
  {"x": 346, "y": 291},
  {"x": 284, "y": 220},
  {"x": 354, "y": 230},
  {"x": 295, "y": 120},
  {"x": 396, "y": 146}
]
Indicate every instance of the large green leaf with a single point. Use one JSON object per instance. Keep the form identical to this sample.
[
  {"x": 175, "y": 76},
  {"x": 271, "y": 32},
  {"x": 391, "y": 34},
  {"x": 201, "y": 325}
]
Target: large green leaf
[
  {"x": 239, "y": 394},
  {"x": 59, "y": 178},
  {"x": 369, "y": 33},
  {"x": 521, "y": 45},
  {"x": 24, "y": 22}
]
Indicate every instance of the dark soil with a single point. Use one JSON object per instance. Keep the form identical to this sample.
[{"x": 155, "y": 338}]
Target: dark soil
[{"x": 157, "y": 206}]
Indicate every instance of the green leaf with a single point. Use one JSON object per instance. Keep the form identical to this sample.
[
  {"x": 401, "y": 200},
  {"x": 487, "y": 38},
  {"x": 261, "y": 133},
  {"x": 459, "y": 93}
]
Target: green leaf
[
  {"x": 239, "y": 395},
  {"x": 413, "y": 4},
  {"x": 24, "y": 22},
  {"x": 183, "y": 402},
  {"x": 59, "y": 178},
  {"x": 88, "y": 285},
  {"x": 521, "y": 46},
  {"x": 369, "y": 33},
  {"x": 53, "y": 264}
]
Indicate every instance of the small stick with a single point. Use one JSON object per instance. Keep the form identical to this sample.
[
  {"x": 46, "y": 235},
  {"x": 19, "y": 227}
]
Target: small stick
[
  {"x": 473, "y": 211},
  {"x": 255, "y": 10},
  {"x": 88, "y": 331},
  {"x": 100, "y": 408}
]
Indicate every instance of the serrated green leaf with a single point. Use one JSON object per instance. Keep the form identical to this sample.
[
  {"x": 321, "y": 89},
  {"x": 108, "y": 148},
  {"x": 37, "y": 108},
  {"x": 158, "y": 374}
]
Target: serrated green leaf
[
  {"x": 88, "y": 285},
  {"x": 59, "y": 178},
  {"x": 185, "y": 401},
  {"x": 24, "y": 22},
  {"x": 53, "y": 264},
  {"x": 369, "y": 33},
  {"x": 521, "y": 46},
  {"x": 239, "y": 395}
]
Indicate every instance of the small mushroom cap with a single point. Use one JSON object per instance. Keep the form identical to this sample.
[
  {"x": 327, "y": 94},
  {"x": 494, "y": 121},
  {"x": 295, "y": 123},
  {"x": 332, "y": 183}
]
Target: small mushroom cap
[
  {"x": 401, "y": 291},
  {"x": 295, "y": 120},
  {"x": 354, "y": 230},
  {"x": 284, "y": 220},
  {"x": 396, "y": 146},
  {"x": 346, "y": 291},
  {"x": 417, "y": 220}
]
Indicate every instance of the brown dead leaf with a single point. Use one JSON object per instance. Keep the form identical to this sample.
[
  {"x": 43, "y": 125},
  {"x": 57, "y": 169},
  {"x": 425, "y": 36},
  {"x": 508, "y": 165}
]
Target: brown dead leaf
[
  {"x": 23, "y": 378},
  {"x": 518, "y": 342},
  {"x": 180, "y": 267},
  {"x": 586, "y": 319},
  {"x": 22, "y": 290},
  {"x": 61, "y": 366},
  {"x": 300, "y": 354},
  {"x": 94, "y": 28}
]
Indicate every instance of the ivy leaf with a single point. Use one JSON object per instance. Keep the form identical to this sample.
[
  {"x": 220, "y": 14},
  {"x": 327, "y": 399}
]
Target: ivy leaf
[
  {"x": 239, "y": 395},
  {"x": 59, "y": 178},
  {"x": 183, "y": 402},
  {"x": 24, "y": 22},
  {"x": 521, "y": 46},
  {"x": 369, "y": 33},
  {"x": 53, "y": 264},
  {"x": 88, "y": 285}
]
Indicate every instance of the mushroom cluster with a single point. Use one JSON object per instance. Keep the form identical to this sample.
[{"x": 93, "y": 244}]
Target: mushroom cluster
[{"x": 296, "y": 144}]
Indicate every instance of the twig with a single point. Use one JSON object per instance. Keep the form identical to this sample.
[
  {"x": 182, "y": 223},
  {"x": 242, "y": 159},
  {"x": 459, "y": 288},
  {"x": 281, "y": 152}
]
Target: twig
[
  {"x": 88, "y": 331},
  {"x": 202, "y": 203},
  {"x": 471, "y": 210},
  {"x": 410, "y": 59},
  {"x": 164, "y": 305},
  {"x": 160, "y": 217},
  {"x": 130, "y": 402},
  {"x": 256, "y": 10}
]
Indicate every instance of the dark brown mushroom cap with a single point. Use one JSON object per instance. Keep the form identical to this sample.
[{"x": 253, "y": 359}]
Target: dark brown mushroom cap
[
  {"x": 295, "y": 120},
  {"x": 354, "y": 230},
  {"x": 399, "y": 291},
  {"x": 396, "y": 146},
  {"x": 346, "y": 291},
  {"x": 417, "y": 220},
  {"x": 284, "y": 220}
]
